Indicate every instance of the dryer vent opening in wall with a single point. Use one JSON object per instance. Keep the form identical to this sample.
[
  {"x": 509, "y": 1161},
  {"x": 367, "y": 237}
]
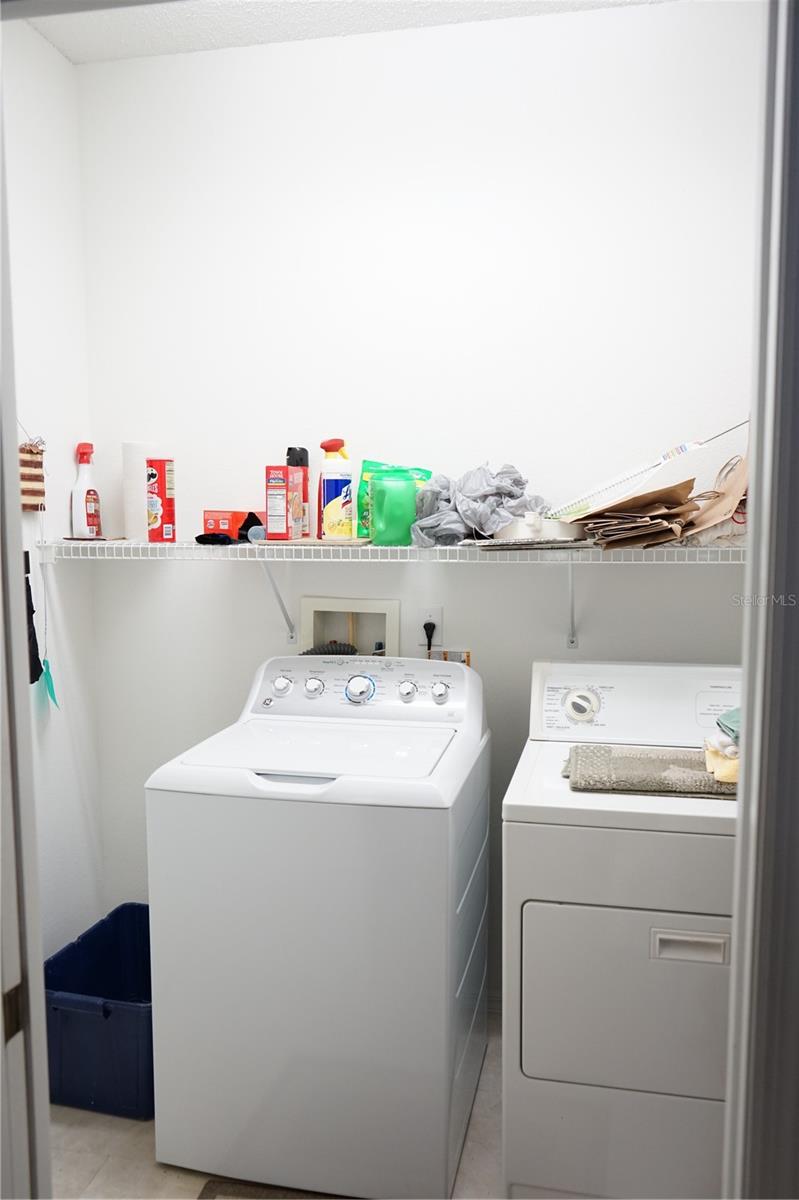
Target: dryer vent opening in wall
[{"x": 359, "y": 622}]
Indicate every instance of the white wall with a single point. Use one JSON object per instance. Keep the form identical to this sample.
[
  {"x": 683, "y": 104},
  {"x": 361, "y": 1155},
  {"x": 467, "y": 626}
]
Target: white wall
[
  {"x": 47, "y": 261},
  {"x": 529, "y": 240}
]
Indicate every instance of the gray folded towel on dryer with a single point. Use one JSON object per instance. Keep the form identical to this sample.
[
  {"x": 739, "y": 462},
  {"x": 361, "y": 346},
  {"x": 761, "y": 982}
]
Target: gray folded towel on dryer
[{"x": 657, "y": 769}]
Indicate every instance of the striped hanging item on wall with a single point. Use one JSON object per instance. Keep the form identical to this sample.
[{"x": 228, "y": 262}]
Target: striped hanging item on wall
[{"x": 31, "y": 475}]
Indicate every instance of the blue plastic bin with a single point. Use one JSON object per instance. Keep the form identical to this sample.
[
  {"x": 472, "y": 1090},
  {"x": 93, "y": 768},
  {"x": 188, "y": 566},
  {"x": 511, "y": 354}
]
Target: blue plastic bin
[{"x": 100, "y": 1017}]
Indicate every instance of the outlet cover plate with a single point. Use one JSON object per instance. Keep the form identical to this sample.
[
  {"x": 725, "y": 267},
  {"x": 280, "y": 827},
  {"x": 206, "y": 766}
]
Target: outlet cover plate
[{"x": 434, "y": 613}]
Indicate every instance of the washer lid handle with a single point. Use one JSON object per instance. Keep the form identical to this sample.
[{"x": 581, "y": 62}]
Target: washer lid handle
[{"x": 290, "y": 780}]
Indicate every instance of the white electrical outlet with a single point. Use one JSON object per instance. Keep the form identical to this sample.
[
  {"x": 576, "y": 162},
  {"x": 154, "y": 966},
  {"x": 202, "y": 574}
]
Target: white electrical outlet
[{"x": 434, "y": 613}]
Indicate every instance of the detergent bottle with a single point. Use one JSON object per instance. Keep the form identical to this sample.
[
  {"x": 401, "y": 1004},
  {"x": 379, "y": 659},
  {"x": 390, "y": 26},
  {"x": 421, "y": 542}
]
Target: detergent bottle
[
  {"x": 334, "y": 511},
  {"x": 85, "y": 500}
]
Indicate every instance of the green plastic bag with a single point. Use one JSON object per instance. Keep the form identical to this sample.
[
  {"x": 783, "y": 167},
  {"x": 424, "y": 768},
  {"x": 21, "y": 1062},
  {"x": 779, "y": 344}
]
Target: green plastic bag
[
  {"x": 369, "y": 469},
  {"x": 392, "y": 508}
]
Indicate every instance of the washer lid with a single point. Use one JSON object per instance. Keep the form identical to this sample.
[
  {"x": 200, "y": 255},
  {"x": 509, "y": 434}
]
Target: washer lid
[{"x": 329, "y": 748}]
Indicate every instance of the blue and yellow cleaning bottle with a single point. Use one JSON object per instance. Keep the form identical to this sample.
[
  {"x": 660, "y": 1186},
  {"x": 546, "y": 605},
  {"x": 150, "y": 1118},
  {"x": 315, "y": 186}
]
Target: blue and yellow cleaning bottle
[{"x": 334, "y": 510}]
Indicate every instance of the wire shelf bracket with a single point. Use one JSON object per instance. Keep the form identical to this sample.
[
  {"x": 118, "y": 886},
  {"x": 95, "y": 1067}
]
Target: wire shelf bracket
[
  {"x": 571, "y": 637},
  {"x": 290, "y": 626}
]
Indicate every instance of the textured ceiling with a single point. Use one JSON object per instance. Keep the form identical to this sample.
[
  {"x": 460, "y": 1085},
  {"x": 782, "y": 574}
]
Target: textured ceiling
[{"x": 186, "y": 25}]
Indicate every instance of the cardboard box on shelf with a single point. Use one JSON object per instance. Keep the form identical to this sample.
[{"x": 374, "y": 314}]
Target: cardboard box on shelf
[
  {"x": 284, "y": 503},
  {"x": 227, "y": 520}
]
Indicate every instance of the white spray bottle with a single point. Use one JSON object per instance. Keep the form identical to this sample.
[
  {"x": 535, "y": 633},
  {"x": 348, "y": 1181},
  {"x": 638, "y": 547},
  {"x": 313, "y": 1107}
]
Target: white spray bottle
[{"x": 85, "y": 499}]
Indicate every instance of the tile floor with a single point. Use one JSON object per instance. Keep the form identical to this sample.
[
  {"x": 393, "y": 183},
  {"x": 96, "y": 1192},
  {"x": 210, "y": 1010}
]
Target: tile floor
[{"x": 109, "y": 1158}]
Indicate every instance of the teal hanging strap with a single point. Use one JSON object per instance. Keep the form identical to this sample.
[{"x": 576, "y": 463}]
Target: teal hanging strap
[
  {"x": 48, "y": 681},
  {"x": 47, "y": 674}
]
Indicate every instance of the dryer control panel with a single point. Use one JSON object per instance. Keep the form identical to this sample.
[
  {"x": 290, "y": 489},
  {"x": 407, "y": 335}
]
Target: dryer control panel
[
  {"x": 653, "y": 704},
  {"x": 365, "y": 686}
]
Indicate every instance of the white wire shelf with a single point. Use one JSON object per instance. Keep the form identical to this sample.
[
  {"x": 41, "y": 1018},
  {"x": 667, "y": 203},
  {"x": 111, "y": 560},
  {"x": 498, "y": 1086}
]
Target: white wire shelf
[{"x": 315, "y": 552}]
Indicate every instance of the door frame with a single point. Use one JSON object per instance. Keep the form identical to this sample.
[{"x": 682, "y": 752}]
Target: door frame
[
  {"x": 761, "y": 1148},
  {"x": 25, "y": 1099}
]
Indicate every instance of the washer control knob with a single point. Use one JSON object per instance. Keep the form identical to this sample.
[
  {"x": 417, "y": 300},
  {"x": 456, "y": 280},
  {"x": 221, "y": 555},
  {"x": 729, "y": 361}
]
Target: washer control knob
[
  {"x": 582, "y": 705},
  {"x": 359, "y": 689},
  {"x": 281, "y": 686},
  {"x": 407, "y": 690},
  {"x": 440, "y": 692},
  {"x": 313, "y": 688}
]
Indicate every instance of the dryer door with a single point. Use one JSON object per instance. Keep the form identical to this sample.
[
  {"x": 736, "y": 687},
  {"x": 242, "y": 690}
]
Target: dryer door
[{"x": 625, "y": 998}]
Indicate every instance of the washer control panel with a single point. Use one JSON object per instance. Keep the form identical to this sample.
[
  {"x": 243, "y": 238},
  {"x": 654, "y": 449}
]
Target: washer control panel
[{"x": 364, "y": 686}]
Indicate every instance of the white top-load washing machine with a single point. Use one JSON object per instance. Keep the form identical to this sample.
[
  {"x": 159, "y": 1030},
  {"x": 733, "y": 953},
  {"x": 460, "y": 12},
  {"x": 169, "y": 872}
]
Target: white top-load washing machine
[
  {"x": 616, "y": 945},
  {"x": 318, "y": 888}
]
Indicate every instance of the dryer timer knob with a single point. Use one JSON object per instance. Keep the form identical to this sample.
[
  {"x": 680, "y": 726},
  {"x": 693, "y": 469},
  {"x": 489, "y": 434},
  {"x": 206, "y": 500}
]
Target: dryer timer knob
[
  {"x": 440, "y": 692},
  {"x": 359, "y": 689},
  {"x": 582, "y": 704}
]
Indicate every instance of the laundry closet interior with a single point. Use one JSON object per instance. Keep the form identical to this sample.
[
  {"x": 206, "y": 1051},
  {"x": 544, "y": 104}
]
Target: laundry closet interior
[{"x": 448, "y": 234}]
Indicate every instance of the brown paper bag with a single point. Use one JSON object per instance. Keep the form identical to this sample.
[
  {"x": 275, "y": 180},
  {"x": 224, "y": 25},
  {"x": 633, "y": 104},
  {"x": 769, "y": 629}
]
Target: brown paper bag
[
  {"x": 720, "y": 507},
  {"x": 669, "y": 497}
]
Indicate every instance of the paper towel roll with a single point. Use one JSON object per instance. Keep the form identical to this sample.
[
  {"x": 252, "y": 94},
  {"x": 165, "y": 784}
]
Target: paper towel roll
[{"x": 134, "y": 485}]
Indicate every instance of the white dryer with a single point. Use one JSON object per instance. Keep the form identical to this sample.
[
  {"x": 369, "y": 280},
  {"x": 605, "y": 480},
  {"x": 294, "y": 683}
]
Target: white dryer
[
  {"x": 318, "y": 887},
  {"x": 616, "y": 914}
]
